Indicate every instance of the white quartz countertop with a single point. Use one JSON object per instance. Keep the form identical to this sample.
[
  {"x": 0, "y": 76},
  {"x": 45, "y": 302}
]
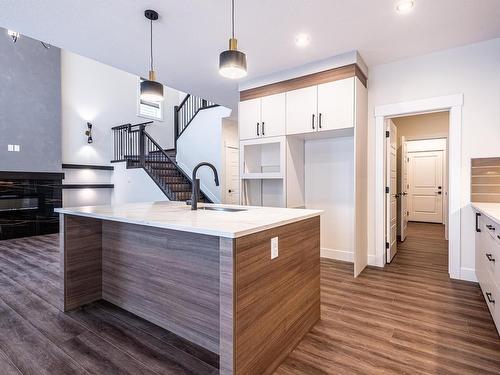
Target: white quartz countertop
[
  {"x": 178, "y": 216},
  {"x": 492, "y": 210}
]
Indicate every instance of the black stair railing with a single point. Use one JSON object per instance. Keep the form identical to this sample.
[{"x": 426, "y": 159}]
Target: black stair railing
[
  {"x": 185, "y": 112},
  {"x": 135, "y": 146}
]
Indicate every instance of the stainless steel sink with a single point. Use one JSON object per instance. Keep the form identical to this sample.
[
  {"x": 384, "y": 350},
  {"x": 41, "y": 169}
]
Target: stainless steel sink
[{"x": 223, "y": 209}]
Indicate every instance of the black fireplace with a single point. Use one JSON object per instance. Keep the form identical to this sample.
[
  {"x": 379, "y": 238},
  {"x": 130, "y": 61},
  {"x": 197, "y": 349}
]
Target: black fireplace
[{"x": 27, "y": 202}]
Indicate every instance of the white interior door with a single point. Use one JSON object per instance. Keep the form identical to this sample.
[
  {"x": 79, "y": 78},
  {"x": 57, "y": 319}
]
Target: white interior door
[
  {"x": 425, "y": 201},
  {"x": 403, "y": 190},
  {"x": 391, "y": 200},
  {"x": 301, "y": 110},
  {"x": 232, "y": 188}
]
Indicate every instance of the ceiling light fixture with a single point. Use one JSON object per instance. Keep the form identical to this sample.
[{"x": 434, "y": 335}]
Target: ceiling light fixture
[
  {"x": 404, "y": 6},
  {"x": 13, "y": 34},
  {"x": 302, "y": 40},
  {"x": 151, "y": 90},
  {"x": 233, "y": 63}
]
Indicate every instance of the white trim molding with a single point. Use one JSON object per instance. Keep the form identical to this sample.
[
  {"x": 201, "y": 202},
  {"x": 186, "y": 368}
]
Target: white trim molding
[{"x": 453, "y": 104}]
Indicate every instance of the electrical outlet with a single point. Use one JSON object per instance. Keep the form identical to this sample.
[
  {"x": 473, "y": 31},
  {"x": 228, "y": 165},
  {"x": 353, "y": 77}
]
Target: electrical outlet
[{"x": 274, "y": 247}]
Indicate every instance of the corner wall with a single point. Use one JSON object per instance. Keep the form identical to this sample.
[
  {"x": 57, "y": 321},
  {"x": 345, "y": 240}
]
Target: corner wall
[{"x": 30, "y": 105}]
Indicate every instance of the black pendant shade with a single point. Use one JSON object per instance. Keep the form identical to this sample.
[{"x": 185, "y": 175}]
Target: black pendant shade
[
  {"x": 151, "y": 90},
  {"x": 232, "y": 63}
]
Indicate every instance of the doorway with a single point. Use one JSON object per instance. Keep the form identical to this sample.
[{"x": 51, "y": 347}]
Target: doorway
[
  {"x": 232, "y": 175},
  {"x": 416, "y": 185},
  {"x": 453, "y": 104}
]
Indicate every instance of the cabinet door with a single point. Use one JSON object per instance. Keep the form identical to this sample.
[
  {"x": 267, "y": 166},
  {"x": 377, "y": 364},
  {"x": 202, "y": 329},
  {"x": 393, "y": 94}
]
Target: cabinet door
[
  {"x": 301, "y": 110},
  {"x": 249, "y": 119},
  {"x": 336, "y": 104},
  {"x": 273, "y": 115}
]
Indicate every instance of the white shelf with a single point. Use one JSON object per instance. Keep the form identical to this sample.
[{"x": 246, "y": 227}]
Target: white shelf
[{"x": 262, "y": 176}]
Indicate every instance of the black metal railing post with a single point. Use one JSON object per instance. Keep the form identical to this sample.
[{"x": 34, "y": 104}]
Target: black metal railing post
[{"x": 142, "y": 154}]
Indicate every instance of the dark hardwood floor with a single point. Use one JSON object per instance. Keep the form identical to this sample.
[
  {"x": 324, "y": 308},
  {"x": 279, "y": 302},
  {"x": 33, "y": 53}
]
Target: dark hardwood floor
[{"x": 408, "y": 318}]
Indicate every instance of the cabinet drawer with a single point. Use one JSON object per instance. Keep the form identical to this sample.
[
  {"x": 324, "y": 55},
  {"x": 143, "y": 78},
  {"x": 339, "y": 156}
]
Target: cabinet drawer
[
  {"x": 491, "y": 293},
  {"x": 493, "y": 229},
  {"x": 490, "y": 254}
]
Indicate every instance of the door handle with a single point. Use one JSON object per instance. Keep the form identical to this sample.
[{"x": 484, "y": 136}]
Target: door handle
[
  {"x": 229, "y": 191},
  {"x": 258, "y": 130},
  {"x": 488, "y": 296},
  {"x": 490, "y": 227},
  {"x": 313, "y": 120},
  {"x": 477, "y": 222},
  {"x": 439, "y": 192},
  {"x": 319, "y": 120},
  {"x": 263, "y": 127},
  {"x": 490, "y": 257},
  {"x": 404, "y": 193}
]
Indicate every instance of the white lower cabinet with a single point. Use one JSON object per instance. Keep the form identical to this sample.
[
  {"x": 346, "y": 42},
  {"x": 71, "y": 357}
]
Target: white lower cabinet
[{"x": 487, "y": 246}]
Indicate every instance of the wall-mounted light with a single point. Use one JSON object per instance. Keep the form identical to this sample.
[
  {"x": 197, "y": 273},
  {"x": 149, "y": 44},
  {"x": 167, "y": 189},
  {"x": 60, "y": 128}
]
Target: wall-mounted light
[
  {"x": 13, "y": 34},
  {"x": 88, "y": 133}
]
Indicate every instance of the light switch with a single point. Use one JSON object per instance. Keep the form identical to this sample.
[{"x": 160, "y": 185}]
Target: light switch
[
  {"x": 10, "y": 147},
  {"x": 17, "y": 148},
  {"x": 274, "y": 247}
]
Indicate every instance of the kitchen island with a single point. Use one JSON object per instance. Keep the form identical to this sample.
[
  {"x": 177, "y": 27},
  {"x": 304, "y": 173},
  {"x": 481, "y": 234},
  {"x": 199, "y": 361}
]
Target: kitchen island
[{"x": 243, "y": 282}]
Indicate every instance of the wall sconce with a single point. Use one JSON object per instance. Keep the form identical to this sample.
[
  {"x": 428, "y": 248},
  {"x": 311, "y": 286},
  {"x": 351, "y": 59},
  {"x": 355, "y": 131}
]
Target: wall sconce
[
  {"x": 88, "y": 133},
  {"x": 13, "y": 34}
]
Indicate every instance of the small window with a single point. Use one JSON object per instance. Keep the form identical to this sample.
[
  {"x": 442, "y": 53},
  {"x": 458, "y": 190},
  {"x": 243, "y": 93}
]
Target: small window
[{"x": 150, "y": 110}]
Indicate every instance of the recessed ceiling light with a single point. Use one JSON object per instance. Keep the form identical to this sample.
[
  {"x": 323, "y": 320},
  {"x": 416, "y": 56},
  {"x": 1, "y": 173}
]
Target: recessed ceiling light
[
  {"x": 302, "y": 40},
  {"x": 404, "y": 6}
]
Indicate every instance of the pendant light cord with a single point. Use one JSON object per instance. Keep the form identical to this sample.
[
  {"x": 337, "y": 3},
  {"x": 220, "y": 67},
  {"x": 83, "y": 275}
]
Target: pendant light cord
[
  {"x": 232, "y": 17},
  {"x": 151, "y": 43}
]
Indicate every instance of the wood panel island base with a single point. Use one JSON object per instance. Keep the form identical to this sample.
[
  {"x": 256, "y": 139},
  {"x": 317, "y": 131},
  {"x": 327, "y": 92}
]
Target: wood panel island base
[{"x": 205, "y": 275}]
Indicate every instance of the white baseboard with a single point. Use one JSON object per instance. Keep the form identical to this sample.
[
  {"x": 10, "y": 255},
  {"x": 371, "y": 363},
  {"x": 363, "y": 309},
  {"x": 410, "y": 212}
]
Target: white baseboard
[
  {"x": 376, "y": 261},
  {"x": 468, "y": 274},
  {"x": 344, "y": 255}
]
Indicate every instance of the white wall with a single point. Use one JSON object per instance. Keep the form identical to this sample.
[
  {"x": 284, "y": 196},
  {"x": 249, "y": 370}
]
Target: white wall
[
  {"x": 329, "y": 186},
  {"x": 106, "y": 97},
  {"x": 473, "y": 70},
  {"x": 229, "y": 139},
  {"x": 202, "y": 141},
  {"x": 134, "y": 185}
]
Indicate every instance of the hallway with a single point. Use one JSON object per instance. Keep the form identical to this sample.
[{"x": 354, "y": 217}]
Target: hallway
[{"x": 408, "y": 318}]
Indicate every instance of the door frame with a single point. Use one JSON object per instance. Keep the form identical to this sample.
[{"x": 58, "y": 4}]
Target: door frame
[
  {"x": 452, "y": 104},
  {"x": 227, "y": 177}
]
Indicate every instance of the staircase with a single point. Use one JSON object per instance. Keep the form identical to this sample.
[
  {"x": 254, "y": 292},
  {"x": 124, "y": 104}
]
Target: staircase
[{"x": 133, "y": 145}]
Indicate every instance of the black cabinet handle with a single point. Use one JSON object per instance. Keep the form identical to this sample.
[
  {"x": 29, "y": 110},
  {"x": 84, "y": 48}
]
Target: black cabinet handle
[
  {"x": 477, "y": 222},
  {"x": 490, "y": 257},
  {"x": 313, "y": 120},
  {"x": 488, "y": 296},
  {"x": 263, "y": 127},
  {"x": 258, "y": 129},
  {"x": 319, "y": 120},
  {"x": 490, "y": 227}
]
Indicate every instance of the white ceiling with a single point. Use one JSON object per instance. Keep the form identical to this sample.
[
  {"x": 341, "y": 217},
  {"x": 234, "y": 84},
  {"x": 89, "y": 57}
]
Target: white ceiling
[{"x": 191, "y": 33}]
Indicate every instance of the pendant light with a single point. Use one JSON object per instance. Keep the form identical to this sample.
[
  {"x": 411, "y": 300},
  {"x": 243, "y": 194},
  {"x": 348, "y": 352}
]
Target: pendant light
[
  {"x": 151, "y": 90},
  {"x": 233, "y": 63}
]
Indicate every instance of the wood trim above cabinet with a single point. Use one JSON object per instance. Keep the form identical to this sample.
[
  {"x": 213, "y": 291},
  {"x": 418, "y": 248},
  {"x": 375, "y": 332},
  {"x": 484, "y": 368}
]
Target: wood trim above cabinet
[{"x": 352, "y": 70}]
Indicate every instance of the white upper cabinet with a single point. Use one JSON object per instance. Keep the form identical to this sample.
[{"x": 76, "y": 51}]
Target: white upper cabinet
[
  {"x": 336, "y": 104},
  {"x": 262, "y": 117},
  {"x": 249, "y": 119},
  {"x": 273, "y": 115},
  {"x": 301, "y": 110}
]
